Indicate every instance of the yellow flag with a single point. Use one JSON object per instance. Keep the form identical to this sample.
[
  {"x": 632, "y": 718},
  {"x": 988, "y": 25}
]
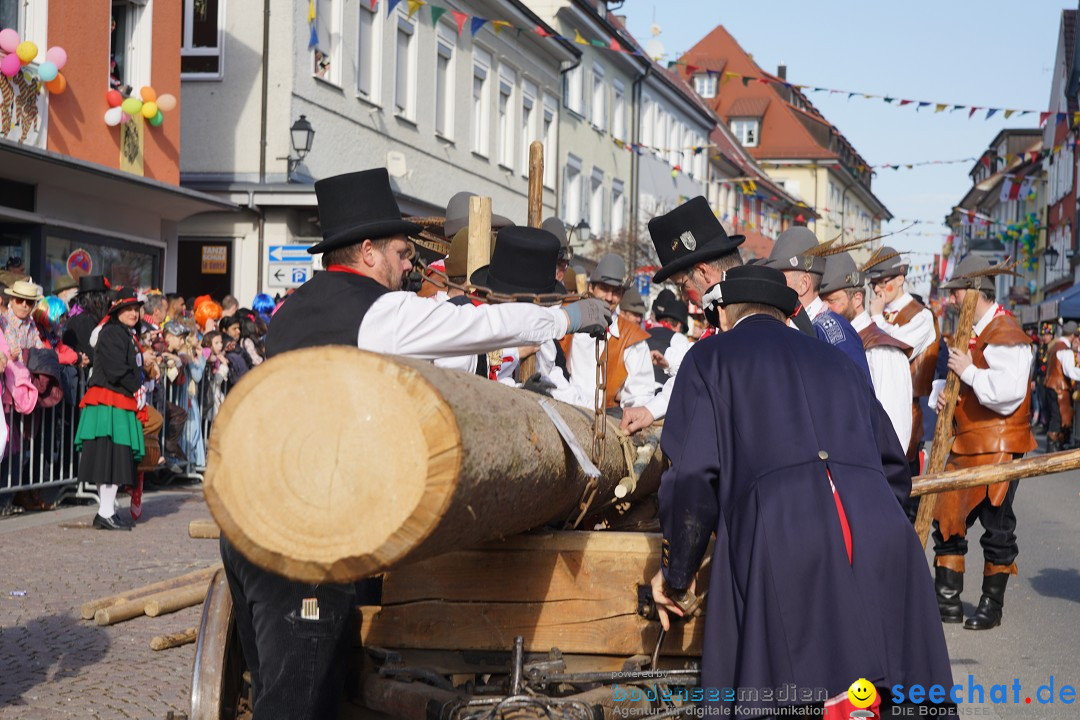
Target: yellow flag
[
  {"x": 580, "y": 40},
  {"x": 415, "y": 5},
  {"x": 499, "y": 25},
  {"x": 728, "y": 76},
  {"x": 941, "y": 106},
  {"x": 1009, "y": 112},
  {"x": 1076, "y": 118},
  {"x": 311, "y": 11}
]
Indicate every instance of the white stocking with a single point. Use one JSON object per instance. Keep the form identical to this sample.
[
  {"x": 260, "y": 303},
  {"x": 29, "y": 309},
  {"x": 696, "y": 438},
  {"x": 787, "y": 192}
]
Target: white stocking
[{"x": 107, "y": 500}]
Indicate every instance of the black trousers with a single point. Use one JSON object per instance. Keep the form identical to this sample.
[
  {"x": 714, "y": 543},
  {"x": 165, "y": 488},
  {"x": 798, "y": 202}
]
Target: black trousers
[
  {"x": 298, "y": 666},
  {"x": 999, "y": 531},
  {"x": 1053, "y": 412},
  {"x": 911, "y": 505}
]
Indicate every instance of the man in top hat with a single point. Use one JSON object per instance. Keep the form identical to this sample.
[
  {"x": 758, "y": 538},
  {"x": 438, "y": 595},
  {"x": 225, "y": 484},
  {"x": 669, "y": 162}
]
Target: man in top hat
[
  {"x": 992, "y": 426},
  {"x": 795, "y": 254},
  {"x": 781, "y": 452},
  {"x": 17, "y": 322},
  {"x": 90, "y": 305},
  {"x": 667, "y": 341},
  {"x": 297, "y": 658},
  {"x": 843, "y": 288},
  {"x": 895, "y": 311},
  {"x": 1060, "y": 387},
  {"x": 629, "y": 367},
  {"x": 694, "y": 252}
]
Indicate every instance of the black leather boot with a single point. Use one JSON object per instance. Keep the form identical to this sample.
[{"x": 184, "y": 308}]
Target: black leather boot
[
  {"x": 949, "y": 584},
  {"x": 988, "y": 614}
]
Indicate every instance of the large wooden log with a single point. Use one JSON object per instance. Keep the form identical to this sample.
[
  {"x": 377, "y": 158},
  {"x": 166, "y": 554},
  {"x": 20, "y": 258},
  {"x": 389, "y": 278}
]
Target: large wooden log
[
  {"x": 178, "y": 599},
  {"x": 943, "y": 431},
  {"x": 990, "y": 474},
  {"x": 333, "y": 464}
]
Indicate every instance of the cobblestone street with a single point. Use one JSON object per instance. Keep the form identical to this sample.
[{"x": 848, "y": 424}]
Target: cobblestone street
[{"x": 56, "y": 665}]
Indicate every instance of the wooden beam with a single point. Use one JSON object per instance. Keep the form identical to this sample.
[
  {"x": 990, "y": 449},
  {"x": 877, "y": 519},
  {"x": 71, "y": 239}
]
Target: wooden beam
[
  {"x": 164, "y": 642},
  {"x": 178, "y": 599},
  {"x": 527, "y": 368},
  {"x": 927, "y": 485},
  {"x": 206, "y": 529},
  {"x": 89, "y": 609},
  {"x": 479, "y": 234}
]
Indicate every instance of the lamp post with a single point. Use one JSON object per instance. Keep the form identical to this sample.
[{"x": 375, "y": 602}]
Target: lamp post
[
  {"x": 582, "y": 225},
  {"x": 1052, "y": 256},
  {"x": 301, "y": 135}
]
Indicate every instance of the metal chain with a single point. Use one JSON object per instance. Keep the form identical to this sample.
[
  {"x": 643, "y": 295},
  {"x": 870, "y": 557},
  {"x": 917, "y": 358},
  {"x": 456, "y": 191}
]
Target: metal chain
[
  {"x": 600, "y": 403},
  {"x": 482, "y": 294}
]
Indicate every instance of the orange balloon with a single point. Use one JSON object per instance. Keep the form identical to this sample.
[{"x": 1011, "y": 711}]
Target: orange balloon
[
  {"x": 147, "y": 94},
  {"x": 57, "y": 85}
]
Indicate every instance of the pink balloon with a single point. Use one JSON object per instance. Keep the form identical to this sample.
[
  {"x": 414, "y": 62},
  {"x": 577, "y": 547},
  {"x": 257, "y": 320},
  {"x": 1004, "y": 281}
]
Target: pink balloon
[
  {"x": 10, "y": 65},
  {"x": 9, "y": 40},
  {"x": 57, "y": 56}
]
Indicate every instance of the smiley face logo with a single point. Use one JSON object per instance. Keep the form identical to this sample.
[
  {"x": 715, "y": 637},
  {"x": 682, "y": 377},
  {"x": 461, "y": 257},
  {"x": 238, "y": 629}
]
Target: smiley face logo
[{"x": 862, "y": 693}]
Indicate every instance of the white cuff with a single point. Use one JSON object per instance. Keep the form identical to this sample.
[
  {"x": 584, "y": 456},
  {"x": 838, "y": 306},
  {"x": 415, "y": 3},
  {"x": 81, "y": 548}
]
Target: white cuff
[{"x": 968, "y": 376}]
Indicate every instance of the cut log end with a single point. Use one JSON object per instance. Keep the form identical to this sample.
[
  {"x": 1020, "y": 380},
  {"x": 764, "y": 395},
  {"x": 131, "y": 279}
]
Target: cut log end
[{"x": 352, "y": 414}]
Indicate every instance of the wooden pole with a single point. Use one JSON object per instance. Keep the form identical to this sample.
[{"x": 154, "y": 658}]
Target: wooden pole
[
  {"x": 206, "y": 529},
  {"x": 479, "y": 233},
  {"x": 164, "y": 642},
  {"x": 382, "y": 458},
  {"x": 90, "y": 608},
  {"x": 178, "y": 599},
  {"x": 943, "y": 431},
  {"x": 928, "y": 485},
  {"x": 536, "y": 211},
  {"x": 138, "y": 606}
]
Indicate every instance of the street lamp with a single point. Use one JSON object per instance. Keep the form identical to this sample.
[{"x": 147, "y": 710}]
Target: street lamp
[
  {"x": 582, "y": 225},
  {"x": 302, "y": 135},
  {"x": 1052, "y": 255}
]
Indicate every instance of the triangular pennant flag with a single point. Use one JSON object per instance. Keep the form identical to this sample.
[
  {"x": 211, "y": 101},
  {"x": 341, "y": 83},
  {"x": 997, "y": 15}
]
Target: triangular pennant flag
[
  {"x": 727, "y": 76},
  {"x": 615, "y": 45},
  {"x": 313, "y": 39},
  {"x": 415, "y": 5},
  {"x": 763, "y": 81},
  {"x": 990, "y": 112},
  {"x": 373, "y": 4},
  {"x": 391, "y": 5},
  {"x": 476, "y": 24},
  {"x": 598, "y": 43},
  {"x": 692, "y": 69},
  {"x": 311, "y": 11},
  {"x": 905, "y": 102},
  {"x": 939, "y": 107},
  {"x": 746, "y": 81},
  {"x": 436, "y": 14},
  {"x": 1043, "y": 116},
  {"x": 459, "y": 19},
  {"x": 889, "y": 99},
  {"x": 499, "y": 25},
  {"x": 1061, "y": 117},
  {"x": 972, "y": 111},
  {"x": 922, "y": 104},
  {"x": 1008, "y": 113},
  {"x": 957, "y": 107},
  {"x": 579, "y": 39}
]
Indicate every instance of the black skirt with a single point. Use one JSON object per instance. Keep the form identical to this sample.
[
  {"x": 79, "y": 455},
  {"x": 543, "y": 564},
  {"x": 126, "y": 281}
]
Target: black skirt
[{"x": 104, "y": 462}]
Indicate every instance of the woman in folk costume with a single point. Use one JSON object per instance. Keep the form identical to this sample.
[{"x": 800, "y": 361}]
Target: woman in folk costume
[{"x": 110, "y": 434}]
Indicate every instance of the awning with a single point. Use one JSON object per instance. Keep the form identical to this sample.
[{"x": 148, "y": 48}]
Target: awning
[{"x": 1065, "y": 304}]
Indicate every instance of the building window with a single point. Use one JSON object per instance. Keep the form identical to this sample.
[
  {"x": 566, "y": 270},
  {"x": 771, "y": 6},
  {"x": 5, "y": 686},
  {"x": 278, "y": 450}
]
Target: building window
[
  {"x": 599, "y": 98},
  {"x": 529, "y": 130},
  {"x": 573, "y": 191},
  {"x": 574, "y": 91},
  {"x": 705, "y": 85},
  {"x": 507, "y": 80},
  {"x": 480, "y": 105},
  {"x": 618, "y": 111},
  {"x": 200, "y": 49},
  {"x": 548, "y": 135},
  {"x": 648, "y": 117},
  {"x": 618, "y": 208},
  {"x": 326, "y": 55},
  {"x": 444, "y": 82},
  {"x": 9, "y": 15},
  {"x": 368, "y": 53},
  {"x": 130, "y": 40},
  {"x": 405, "y": 69},
  {"x": 596, "y": 202},
  {"x": 747, "y": 131}
]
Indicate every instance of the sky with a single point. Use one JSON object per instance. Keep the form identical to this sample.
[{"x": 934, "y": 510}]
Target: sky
[{"x": 988, "y": 53}]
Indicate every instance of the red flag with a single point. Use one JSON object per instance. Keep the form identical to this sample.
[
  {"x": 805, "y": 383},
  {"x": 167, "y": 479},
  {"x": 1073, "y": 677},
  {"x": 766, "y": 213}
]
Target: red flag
[
  {"x": 905, "y": 102},
  {"x": 461, "y": 23},
  {"x": 460, "y": 18},
  {"x": 1042, "y": 117},
  {"x": 615, "y": 45},
  {"x": 373, "y": 4},
  {"x": 972, "y": 111}
]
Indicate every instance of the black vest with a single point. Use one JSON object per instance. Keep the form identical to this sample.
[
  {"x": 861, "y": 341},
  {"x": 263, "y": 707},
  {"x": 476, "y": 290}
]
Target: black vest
[
  {"x": 660, "y": 340},
  {"x": 326, "y": 310}
]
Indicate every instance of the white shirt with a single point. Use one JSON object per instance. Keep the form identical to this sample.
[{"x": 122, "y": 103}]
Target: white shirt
[
  {"x": 816, "y": 307},
  {"x": 402, "y": 323},
  {"x": 919, "y": 333},
  {"x": 1067, "y": 358},
  {"x": 640, "y": 386},
  {"x": 676, "y": 351},
  {"x": 1003, "y": 386},
  {"x": 891, "y": 375}
]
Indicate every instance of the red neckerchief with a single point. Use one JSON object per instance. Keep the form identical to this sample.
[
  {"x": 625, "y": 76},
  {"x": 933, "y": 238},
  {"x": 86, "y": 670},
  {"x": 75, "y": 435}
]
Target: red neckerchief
[
  {"x": 974, "y": 336},
  {"x": 344, "y": 269},
  {"x": 663, "y": 323}
]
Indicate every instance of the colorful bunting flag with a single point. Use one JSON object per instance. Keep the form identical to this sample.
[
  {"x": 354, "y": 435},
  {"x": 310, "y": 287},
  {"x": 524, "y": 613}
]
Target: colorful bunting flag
[
  {"x": 499, "y": 25},
  {"x": 580, "y": 40},
  {"x": 436, "y": 15},
  {"x": 477, "y": 23},
  {"x": 390, "y": 5},
  {"x": 415, "y": 5},
  {"x": 459, "y": 18},
  {"x": 313, "y": 39}
]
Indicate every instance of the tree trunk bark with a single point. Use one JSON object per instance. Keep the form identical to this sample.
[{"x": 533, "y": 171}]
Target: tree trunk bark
[
  {"x": 332, "y": 464},
  {"x": 990, "y": 474}
]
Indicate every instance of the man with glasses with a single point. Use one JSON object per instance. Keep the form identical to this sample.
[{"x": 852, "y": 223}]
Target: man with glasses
[{"x": 19, "y": 328}]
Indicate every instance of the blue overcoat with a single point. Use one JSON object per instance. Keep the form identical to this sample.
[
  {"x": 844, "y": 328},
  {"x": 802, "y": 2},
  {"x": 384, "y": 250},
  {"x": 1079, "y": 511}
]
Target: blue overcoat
[
  {"x": 836, "y": 330},
  {"x": 759, "y": 418}
]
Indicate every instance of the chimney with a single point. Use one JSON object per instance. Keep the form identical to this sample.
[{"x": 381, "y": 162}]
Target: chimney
[{"x": 781, "y": 71}]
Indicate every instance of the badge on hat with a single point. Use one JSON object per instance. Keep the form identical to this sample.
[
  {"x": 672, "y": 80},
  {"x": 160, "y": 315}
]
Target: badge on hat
[{"x": 688, "y": 240}]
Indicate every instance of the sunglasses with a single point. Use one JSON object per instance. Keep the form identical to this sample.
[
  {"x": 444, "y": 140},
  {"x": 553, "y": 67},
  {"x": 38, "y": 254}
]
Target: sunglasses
[{"x": 20, "y": 301}]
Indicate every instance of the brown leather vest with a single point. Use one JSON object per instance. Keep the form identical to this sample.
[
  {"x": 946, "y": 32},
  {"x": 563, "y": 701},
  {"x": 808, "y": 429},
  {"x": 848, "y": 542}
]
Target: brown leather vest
[
  {"x": 979, "y": 430},
  {"x": 873, "y": 336},
  {"x": 924, "y": 364},
  {"x": 629, "y": 334},
  {"x": 1055, "y": 376}
]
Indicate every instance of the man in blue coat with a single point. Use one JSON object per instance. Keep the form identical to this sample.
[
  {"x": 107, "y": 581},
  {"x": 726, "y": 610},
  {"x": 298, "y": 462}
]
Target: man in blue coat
[
  {"x": 794, "y": 254},
  {"x": 779, "y": 448}
]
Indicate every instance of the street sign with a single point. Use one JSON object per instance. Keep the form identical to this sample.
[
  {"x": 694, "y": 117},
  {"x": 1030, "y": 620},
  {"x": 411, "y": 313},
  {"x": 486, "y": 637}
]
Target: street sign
[
  {"x": 286, "y": 275},
  {"x": 644, "y": 284},
  {"x": 289, "y": 253}
]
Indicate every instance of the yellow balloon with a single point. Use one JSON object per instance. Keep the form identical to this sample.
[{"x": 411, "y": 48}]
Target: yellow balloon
[
  {"x": 26, "y": 51},
  {"x": 149, "y": 110}
]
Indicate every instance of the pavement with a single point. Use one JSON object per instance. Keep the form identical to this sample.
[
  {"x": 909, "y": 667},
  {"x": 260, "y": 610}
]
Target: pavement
[{"x": 55, "y": 665}]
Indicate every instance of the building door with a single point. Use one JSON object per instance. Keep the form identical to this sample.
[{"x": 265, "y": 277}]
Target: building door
[{"x": 204, "y": 267}]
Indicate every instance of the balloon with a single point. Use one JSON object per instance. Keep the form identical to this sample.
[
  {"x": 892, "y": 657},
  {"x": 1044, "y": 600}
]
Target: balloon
[
  {"x": 114, "y": 98},
  {"x": 132, "y": 106},
  {"x": 157, "y": 119},
  {"x": 57, "y": 85},
  {"x": 148, "y": 94},
  {"x": 113, "y": 116},
  {"x": 26, "y": 51},
  {"x": 47, "y": 72},
  {"x": 166, "y": 102},
  {"x": 10, "y": 65},
  {"x": 149, "y": 110},
  {"x": 9, "y": 40},
  {"x": 57, "y": 56}
]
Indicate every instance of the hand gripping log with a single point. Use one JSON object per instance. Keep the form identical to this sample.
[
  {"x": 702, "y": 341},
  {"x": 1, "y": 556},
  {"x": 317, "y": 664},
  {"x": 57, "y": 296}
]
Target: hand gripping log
[
  {"x": 943, "y": 431},
  {"x": 332, "y": 464}
]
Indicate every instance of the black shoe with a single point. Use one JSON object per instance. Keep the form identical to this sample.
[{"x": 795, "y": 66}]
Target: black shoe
[
  {"x": 110, "y": 523},
  {"x": 948, "y": 584},
  {"x": 988, "y": 614}
]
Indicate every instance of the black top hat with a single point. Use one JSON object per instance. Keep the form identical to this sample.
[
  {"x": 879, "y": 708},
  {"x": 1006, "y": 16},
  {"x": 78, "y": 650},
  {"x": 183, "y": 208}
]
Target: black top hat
[
  {"x": 358, "y": 206},
  {"x": 125, "y": 297},
  {"x": 667, "y": 305},
  {"x": 687, "y": 235},
  {"x": 523, "y": 262},
  {"x": 755, "y": 284},
  {"x": 93, "y": 283}
]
